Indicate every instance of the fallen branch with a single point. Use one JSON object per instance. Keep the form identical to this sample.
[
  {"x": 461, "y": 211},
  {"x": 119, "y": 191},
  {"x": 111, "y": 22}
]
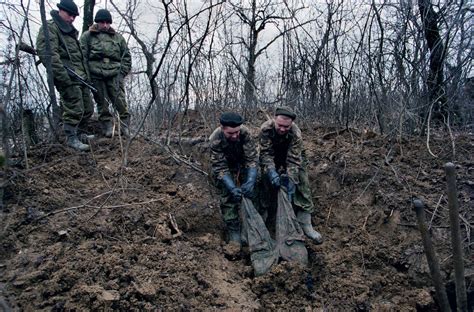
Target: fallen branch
[
  {"x": 333, "y": 133},
  {"x": 428, "y": 133},
  {"x": 96, "y": 207},
  {"x": 365, "y": 189},
  {"x": 175, "y": 156},
  {"x": 174, "y": 226}
]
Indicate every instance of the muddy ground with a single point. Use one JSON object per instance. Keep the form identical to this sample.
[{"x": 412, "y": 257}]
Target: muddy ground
[{"x": 81, "y": 232}]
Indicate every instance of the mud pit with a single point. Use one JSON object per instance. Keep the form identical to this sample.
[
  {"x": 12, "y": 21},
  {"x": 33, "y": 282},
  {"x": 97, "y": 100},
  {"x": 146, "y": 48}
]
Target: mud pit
[{"x": 80, "y": 233}]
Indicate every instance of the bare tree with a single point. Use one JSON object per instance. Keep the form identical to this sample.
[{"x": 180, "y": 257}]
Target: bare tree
[
  {"x": 88, "y": 18},
  {"x": 435, "y": 81},
  {"x": 257, "y": 16}
]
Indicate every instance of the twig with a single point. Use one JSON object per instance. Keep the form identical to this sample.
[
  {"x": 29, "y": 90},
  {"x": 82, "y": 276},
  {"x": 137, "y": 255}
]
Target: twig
[
  {"x": 365, "y": 222},
  {"x": 467, "y": 224},
  {"x": 387, "y": 162},
  {"x": 336, "y": 133},
  {"x": 174, "y": 155},
  {"x": 174, "y": 225},
  {"x": 428, "y": 132},
  {"x": 434, "y": 212},
  {"x": 92, "y": 207},
  {"x": 452, "y": 137},
  {"x": 329, "y": 214},
  {"x": 365, "y": 189},
  {"x": 52, "y": 163}
]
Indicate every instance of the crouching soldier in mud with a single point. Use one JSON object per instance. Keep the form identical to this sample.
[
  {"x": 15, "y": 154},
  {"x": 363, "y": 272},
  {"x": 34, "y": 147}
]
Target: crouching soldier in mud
[
  {"x": 282, "y": 152},
  {"x": 233, "y": 159},
  {"x": 66, "y": 51},
  {"x": 109, "y": 61}
]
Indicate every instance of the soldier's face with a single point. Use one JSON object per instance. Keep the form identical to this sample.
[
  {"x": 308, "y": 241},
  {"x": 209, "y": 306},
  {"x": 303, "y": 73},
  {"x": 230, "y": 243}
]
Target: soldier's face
[
  {"x": 68, "y": 18},
  {"x": 283, "y": 124},
  {"x": 231, "y": 133},
  {"x": 103, "y": 25}
]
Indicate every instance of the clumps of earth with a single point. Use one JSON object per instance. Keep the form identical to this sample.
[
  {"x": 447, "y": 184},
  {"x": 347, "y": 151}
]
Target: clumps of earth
[{"x": 81, "y": 231}]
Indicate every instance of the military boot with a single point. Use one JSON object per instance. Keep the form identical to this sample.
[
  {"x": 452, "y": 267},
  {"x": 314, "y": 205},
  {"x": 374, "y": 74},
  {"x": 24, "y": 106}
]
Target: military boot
[
  {"x": 107, "y": 128},
  {"x": 125, "y": 126},
  {"x": 304, "y": 218},
  {"x": 233, "y": 232},
  {"x": 72, "y": 140}
]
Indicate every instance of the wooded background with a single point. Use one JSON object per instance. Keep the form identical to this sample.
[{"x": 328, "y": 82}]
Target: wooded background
[{"x": 395, "y": 67}]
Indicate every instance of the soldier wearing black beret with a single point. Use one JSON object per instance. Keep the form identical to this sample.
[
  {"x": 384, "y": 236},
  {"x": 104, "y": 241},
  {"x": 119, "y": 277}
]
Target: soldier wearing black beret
[
  {"x": 281, "y": 151},
  {"x": 233, "y": 156},
  {"x": 231, "y": 119},
  {"x": 285, "y": 111}
]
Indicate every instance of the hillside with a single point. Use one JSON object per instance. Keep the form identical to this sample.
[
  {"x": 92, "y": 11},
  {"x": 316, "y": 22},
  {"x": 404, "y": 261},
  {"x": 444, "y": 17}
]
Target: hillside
[{"x": 80, "y": 232}]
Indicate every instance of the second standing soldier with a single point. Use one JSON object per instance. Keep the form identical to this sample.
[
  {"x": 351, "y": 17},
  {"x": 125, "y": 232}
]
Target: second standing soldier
[
  {"x": 281, "y": 151},
  {"x": 109, "y": 61}
]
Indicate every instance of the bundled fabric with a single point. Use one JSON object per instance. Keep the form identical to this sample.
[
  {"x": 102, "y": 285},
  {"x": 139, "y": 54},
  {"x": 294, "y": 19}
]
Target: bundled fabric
[
  {"x": 263, "y": 253},
  {"x": 289, "y": 235},
  {"x": 264, "y": 250}
]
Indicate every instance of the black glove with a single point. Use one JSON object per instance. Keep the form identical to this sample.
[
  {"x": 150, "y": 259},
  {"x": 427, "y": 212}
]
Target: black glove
[
  {"x": 249, "y": 185},
  {"x": 289, "y": 185},
  {"x": 235, "y": 192},
  {"x": 274, "y": 178}
]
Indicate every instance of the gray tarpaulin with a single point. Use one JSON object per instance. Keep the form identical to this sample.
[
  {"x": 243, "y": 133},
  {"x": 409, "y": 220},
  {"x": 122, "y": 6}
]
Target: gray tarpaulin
[{"x": 264, "y": 250}]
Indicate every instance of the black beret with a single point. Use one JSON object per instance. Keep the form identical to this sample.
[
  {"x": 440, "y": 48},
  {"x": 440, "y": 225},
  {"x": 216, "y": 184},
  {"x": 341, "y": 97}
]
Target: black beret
[
  {"x": 103, "y": 15},
  {"x": 231, "y": 119},
  {"x": 285, "y": 111},
  {"x": 68, "y": 6}
]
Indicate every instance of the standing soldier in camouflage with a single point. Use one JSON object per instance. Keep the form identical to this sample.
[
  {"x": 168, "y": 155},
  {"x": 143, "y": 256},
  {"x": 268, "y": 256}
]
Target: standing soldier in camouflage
[
  {"x": 281, "y": 151},
  {"x": 109, "y": 61},
  {"x": 66, "y": 51},
  {"x": 233, "y": 159}
]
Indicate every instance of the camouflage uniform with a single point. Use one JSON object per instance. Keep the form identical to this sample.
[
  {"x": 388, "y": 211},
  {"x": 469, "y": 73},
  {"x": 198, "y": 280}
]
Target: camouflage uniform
[
  {"x": 109, "y": 60},
  {"x": 229, "y": 158},
  {"x": 285, "y": 153},
  {"x": 65, "y": 48}
]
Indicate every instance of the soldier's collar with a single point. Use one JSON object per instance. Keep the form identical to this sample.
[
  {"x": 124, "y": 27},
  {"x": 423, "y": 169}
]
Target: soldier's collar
[
  {"x": 94, "y": 28},
  {"x": 62, "y": 25}
]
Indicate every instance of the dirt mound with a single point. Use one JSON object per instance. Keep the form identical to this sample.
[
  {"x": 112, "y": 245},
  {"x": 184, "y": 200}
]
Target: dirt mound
[{"x": 80, "y": 231}]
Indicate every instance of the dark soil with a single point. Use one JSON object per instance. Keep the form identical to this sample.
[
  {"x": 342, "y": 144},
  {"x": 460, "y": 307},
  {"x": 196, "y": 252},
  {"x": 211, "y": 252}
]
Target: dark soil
[{"x": 81, "y": 232}]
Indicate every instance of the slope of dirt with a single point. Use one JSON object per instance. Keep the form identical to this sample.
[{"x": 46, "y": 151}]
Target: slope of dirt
[{"x": 81, "y": 232}]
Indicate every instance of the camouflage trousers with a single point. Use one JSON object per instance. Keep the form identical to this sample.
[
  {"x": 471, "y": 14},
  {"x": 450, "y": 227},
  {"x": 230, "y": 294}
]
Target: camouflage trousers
[
  {"x": 301, "y": 201},
  {"x": 229, "y": 208},
  {"x": 111, "y": 88},
  {"x": 76, "y": 104}
]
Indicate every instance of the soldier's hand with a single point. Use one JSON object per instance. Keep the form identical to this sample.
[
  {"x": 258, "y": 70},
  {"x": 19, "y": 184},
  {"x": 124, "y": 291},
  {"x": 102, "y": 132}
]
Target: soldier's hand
[
  {"x": 249, "y": 185},
  {"x": 290, "y": 186},
  {"x": 236, "y": 194},
  {"x": 247, "y": 189},
  {"x": 274, "y": 178}
]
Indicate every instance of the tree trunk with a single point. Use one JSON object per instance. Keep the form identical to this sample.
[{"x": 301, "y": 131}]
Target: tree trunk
[
  {"x": 3, "y": 152},
  {"x": 435, "y": 81},
  {"x": 29, "y": 128},
  {"x": 49, "y": 70},
  {"x": 88, "y": 18}
]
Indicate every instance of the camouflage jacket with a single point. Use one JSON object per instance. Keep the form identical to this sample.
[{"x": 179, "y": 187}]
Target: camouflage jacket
[
  {"x": 281, "y": 151},
  {"x": 65, "y": 49},
  {"x": 106, "y": 52},
  {"x": 230, "y": 156}
]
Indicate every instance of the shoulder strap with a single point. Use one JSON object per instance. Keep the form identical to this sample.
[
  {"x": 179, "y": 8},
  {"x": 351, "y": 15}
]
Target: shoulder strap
[
  {"x": 88, "y": 45},
  {"x": 63, "y": 42}
]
